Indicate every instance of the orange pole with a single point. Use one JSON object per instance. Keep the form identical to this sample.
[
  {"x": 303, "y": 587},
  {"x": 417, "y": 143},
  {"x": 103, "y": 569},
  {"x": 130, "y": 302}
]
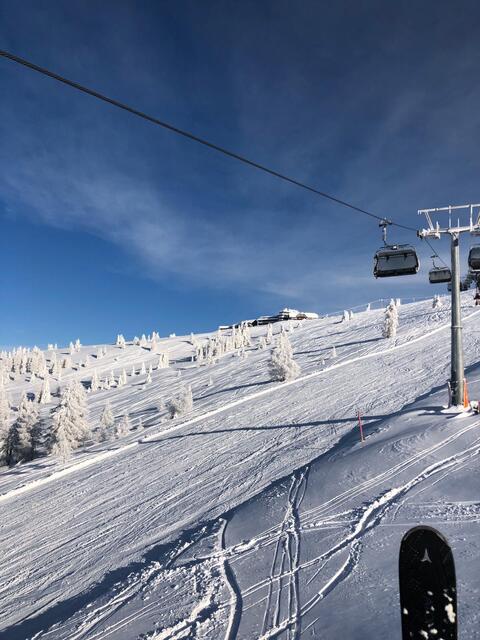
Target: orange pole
[{"x": 466, "y": 401}]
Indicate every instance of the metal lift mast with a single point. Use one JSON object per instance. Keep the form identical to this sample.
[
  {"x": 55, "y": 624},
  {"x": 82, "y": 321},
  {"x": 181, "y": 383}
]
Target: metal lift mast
[{"x": 435, "y": 231}]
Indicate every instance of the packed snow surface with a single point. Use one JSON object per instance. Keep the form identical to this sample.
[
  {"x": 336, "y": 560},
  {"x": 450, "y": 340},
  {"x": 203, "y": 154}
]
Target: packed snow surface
[{"x": 259, "y": 514}]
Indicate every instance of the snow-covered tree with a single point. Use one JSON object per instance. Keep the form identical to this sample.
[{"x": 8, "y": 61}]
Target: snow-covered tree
[
  {"x": 107, "y": 422},
  {"x": 143, "y": 340},
  {"x": 269, "y": 336},
  {"x": 69, "y": 428},
  {"x": 133, "y": 371},
  {"x": 111, "y": 379},
  {"x": 22, "y": 439},
  {"x": 334, "y": 352},
  {"x": 351, "y": 315},
  {"x": 282, "y": 364},
  {"x": 143, "y": 369},
  {"x": 346, "y": 316},
  {"x": 120, "y": 341},
  {"x": 181, "y": 403},
  {"x": 140, "y": 426},
  {"x": 391, "y": 320},
  {"x": 368, "y": 307},
  {"x": 122, "y": 427},
  {"x": 94, "y": 383},
  {"x": 262, "y": 343},
  {"x": 45, "y": 396},
  {"x": 437, "y": 301},
  {"x": 163, "y": 361},
  {"x": 149, "y": 378}
]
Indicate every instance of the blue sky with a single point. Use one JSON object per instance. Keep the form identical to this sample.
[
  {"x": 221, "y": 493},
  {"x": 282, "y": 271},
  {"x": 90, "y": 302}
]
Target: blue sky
[{"x": 110, "y": 224}]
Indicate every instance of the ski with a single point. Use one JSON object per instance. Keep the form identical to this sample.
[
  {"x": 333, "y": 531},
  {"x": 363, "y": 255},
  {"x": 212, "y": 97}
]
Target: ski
[{"x": 428, "y": 596}]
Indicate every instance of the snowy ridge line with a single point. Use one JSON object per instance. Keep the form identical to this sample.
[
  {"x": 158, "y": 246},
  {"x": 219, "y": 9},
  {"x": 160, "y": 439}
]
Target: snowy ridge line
[{"x": 111, "y": 453}]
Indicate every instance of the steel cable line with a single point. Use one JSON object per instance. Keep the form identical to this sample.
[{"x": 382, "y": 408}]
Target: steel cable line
[
  {"x": 191, "y": 136},
  {"x": 202, "y": 141}
]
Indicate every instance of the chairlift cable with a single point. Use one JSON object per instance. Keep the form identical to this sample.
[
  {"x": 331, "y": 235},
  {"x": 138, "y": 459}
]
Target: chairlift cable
[{"x": 193, "y": 137}]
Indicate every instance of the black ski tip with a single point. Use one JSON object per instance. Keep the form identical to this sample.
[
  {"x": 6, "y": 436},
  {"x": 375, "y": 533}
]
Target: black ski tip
[{"x": 428, "y": 596}]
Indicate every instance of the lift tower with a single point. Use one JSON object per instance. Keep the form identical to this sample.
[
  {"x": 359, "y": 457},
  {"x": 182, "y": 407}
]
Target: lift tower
[{"x": 435, "y": 231}]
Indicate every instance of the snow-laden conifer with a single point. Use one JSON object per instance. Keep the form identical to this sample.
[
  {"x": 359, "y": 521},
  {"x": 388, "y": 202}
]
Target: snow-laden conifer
[
  {"x": 282, "y": 365},
  {"x": 22, "y": 440},
  {"x": 45, "y": 396},
  {"x": 69, "y": 428},
  {"x": 107, "y": 422},
  {"x": 94, "y": 383},
  {"x": 269, "y": 336},
  {"x": 122, "y": 427},
  {"x": 346, "y": 316},
  {"x": 181, "y": 403},
  {"x": 391, "y": 320},
  {"x": 437, "y": 301}
]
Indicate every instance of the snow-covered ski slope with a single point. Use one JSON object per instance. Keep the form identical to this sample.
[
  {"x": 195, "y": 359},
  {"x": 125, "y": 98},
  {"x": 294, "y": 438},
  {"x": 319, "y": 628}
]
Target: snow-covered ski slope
[{"x": 259, "y": 515}]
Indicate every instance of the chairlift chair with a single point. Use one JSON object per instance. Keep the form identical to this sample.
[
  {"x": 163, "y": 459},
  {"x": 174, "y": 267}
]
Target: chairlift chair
[
  {"x": 395, "y": 260},
  {"x": 474, "y": 259},
  {"x": 439, "y": 275}
]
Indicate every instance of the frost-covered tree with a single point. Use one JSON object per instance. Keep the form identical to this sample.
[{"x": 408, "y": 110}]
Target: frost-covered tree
[
  {"x": 140, "y": 426},
  {"x": 334, "y": 352},
  {"x": 269, "y": 336},
  {"x": 133, "y": 371},
  {"x": 351, "y": 315},
  {"x": 107, "y": 422},
  {"x": 391, "y": 320},
  {"x": 181, "y": 403},
  {"x": 69, "y": 428},
  {"x": 282, "y": 365},
  {"x": 163, "y": 361},
  {"x": 120, "y": 341},
  {"x": 368, "y": 307},
  {"x": 45, "y": 396},
  {"x": 262, "y": 343},
  {"x": 122, "y": 427},
  {"x": 149, "y": 379},
  {"x": 94, "y": 383},
  {"x": 71, "y": 348},
  {"x": 143, "y": 369},
  {"x": 111, "y": 379},
  {"x": 437, "y": 301},
  {"x": 143, "y": 340},
  {"x": 346, "y": 316},
  {"x": 23, "y": 436}
]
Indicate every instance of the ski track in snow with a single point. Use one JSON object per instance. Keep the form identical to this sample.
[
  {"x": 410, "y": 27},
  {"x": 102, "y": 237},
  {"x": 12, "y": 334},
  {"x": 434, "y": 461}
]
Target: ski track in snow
[{"x": 248, "y": 464}]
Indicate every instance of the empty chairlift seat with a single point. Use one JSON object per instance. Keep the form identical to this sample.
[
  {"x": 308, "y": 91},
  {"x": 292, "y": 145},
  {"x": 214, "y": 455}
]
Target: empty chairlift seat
[
  {"x": 474, "y": 258},
  {"x": 395, "y": 260},
  {"x": 437, "y": 275}
]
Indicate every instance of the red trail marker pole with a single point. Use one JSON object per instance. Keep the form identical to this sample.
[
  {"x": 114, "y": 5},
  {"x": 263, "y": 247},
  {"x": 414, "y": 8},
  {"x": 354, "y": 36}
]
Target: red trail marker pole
[{"x": 362, "y": 440}]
